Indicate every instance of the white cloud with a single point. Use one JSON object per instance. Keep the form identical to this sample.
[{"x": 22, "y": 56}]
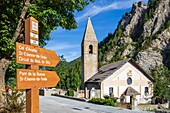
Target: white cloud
[
  {"x": 71, "y": 55},
  {"x": 61, "y": 46},
  {"x": 97, "y": 8},
  {"x": 69, "y": 51}
]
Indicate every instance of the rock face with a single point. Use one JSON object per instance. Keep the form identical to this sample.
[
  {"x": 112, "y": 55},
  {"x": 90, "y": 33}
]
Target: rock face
[
  {"x": 149, "y": 58},
  {"x": 132, "y": 22},
  {"x": 158, "y": 53},
  {"x": 159, "y": 49},
  {"x": 160, "y": 16},
  {"x": 147, "y": 40}
]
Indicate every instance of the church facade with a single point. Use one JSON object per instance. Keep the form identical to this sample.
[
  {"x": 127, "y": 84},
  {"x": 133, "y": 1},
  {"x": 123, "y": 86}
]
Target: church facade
[{"x": 124, "y": 78}]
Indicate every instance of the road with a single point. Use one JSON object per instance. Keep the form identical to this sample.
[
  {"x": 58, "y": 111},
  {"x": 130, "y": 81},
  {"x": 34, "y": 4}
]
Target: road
[{"x": 54, "y": 104}]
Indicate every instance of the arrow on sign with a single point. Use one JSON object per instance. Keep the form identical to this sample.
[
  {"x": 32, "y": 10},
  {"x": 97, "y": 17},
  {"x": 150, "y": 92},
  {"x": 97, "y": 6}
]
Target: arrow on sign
[
  {"x": 27, "y": 79},
  {"x": 27, "y": 54}
]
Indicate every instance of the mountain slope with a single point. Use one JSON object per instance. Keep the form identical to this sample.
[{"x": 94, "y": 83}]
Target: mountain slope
[{"x": 142, "y": 34}]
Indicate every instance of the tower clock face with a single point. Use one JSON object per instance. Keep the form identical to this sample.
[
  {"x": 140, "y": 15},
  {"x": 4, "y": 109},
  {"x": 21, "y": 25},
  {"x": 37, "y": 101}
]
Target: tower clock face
[{"x": 129, "y": 81}]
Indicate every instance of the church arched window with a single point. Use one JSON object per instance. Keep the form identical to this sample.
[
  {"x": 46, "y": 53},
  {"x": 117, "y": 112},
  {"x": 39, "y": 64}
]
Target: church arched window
[{"x": 90, "y": 49}]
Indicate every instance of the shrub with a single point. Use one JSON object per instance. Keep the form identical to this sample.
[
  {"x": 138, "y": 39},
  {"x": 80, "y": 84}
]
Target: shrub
[
  {"x": 109, "y": 102},
  {"x": 106, "y": 96},
  {"x": 70, "y": 93},
  {"x": 16, "y": 102},
  {"x": 96, "y": 100},
  {"x": 114, "y": 99}
]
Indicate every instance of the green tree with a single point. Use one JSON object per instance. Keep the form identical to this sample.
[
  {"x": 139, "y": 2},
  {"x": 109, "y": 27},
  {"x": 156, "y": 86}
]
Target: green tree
[
  {"x": 62, "y": 71},
  {"x": 161, "y": 76},
  {"x": 50, "y": 13},
  {"x": 69, "y": 73},
  {"x": 10, "y": 76}
]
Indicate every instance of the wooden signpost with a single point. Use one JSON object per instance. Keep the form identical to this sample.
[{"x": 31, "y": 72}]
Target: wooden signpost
[
  {"x": 26, "y": 54},
  {"x": 27, "y": 79},
  {"x": 32, "y": 78}
]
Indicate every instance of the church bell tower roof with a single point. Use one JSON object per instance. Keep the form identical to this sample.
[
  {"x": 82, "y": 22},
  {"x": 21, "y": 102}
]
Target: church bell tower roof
[{"x": 89, "y": 34}]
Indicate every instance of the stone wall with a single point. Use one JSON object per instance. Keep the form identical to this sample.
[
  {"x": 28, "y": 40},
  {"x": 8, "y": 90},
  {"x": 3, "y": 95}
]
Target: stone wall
[
  {"x": 49, "y": 92},
  {"x": 150, "y": 107},
  {"x": 162, "y": 111},
  {"x": 79, "y": 94}
]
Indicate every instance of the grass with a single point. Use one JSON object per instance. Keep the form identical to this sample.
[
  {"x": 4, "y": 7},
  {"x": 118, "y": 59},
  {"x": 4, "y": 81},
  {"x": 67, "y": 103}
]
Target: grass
[{"x": 152, "y": 110}]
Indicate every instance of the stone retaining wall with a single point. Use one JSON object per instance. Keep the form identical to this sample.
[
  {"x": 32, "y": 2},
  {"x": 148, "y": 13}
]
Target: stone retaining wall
[
  {"x": 149, "y": 107},
  {"x": 162, "y": 111}
]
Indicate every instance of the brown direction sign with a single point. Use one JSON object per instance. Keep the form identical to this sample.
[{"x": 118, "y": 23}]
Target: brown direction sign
[
  {"x": 27, "y": 54},
  {"x": 27, "y": 79}
]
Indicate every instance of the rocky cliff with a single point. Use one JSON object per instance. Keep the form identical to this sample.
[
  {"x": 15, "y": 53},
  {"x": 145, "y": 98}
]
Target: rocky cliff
[{"x": 142, "y": 34}]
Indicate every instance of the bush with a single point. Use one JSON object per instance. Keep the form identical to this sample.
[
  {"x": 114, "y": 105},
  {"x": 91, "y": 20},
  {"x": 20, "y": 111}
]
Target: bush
[
  {"x": 114, "y": 99},
  {"x": 110, "y": 97},
  {"x": 106, "y": 96},
  {"x": 70, "y": 93},
  {"x": 16, "y": 102},
  {"x": 109, "y": 102}
]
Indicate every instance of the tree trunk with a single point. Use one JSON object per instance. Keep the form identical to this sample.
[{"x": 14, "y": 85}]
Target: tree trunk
[
  {"x": 20, "y": 22},
  {"x": 3, "y": 67}
]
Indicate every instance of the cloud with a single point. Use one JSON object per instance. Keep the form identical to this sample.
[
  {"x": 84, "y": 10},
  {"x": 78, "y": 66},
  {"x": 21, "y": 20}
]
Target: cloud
[
  {"x": 69, "y": 51},
  {"x": 98, "y": 7},
  {"x": 61, "y": 46},
  {"x": 71, "y": 55}
]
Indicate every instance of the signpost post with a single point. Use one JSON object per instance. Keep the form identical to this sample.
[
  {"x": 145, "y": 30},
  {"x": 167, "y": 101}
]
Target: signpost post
[{"x": 32, "y": 78}]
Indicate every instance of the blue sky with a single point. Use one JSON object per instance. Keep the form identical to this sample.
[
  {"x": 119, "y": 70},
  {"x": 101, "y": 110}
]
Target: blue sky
[{"x": 104, "y": 14}]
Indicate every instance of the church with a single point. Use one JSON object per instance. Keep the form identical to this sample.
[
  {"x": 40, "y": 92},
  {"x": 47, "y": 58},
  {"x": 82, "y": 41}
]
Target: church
[{"x": 123, "y": 78}]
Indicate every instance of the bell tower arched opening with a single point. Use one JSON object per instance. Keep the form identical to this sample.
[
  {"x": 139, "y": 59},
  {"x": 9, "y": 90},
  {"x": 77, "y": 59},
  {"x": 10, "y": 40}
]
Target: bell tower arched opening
[{"x": 90, "y": 49}]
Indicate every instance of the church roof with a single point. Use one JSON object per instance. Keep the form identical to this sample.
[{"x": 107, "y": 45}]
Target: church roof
[
  {"x": 130, "y": 92},
  {"x": 89, "y": 34},
  {"x": 107, "y": 70}
]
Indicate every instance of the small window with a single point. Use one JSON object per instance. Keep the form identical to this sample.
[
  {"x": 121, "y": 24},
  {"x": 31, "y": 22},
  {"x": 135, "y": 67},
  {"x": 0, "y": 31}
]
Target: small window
[
  {"x": 146, "y": 90},
  {"x": 91, "y": 49},
  {"x": 129, "y": 81},
  {"x": 110, "y": 90}
]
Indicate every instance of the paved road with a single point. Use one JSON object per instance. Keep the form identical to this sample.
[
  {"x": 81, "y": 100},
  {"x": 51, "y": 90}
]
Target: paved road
[{"x": 54, "y": 104}]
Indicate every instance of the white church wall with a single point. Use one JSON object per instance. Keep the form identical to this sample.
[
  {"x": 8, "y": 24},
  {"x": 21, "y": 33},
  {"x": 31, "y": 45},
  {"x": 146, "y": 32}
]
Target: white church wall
[{"x": 118, "y": 80}]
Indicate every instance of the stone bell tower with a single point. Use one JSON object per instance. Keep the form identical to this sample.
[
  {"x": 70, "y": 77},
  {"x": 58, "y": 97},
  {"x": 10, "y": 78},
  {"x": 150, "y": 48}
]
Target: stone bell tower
[{"x": 89, "y": 53}]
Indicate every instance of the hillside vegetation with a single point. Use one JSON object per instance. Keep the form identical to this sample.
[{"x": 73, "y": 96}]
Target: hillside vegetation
[
  {"x": 69, "y": 73},
  {"x": 142, "y": 34}
]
